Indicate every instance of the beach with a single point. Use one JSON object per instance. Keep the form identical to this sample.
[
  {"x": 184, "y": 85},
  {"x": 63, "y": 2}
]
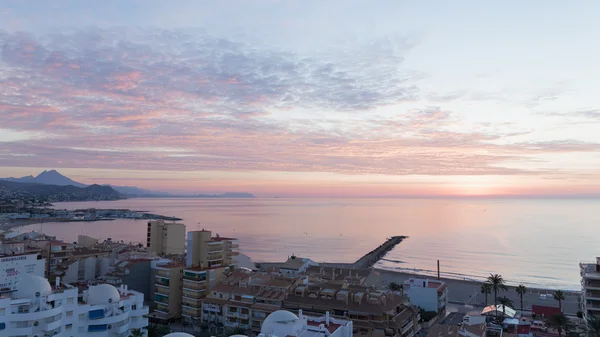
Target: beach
[{"x": 467, "y": 292}]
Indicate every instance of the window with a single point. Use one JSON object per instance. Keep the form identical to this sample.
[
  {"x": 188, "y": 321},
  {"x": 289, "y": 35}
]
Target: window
[
  {"x": 69, "y": 327},
  {"x": 220, "y": 295},
  {"x": 69, "y": 313}
]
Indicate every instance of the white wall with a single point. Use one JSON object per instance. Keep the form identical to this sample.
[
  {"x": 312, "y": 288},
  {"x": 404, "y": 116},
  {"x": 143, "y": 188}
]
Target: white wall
[{"x": 425, "y": 298}]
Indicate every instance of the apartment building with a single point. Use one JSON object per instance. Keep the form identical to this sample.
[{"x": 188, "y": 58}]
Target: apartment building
[
  {"x": 430, "y": 295},
  {"x": 16, "y": 261},
  {"x": 296, "y": 265},
  {"x": 590, "y": 288},
  {"x": 166, "y": 238},
  {"x": 38, "y": 309},
  {"x": 197, "y": 282},
  {"x": 374, "y": 313},
  {"x": 168, "y": 279},
  {"x": 206, "y": 251},
  {"x": 244, "y": 299}
]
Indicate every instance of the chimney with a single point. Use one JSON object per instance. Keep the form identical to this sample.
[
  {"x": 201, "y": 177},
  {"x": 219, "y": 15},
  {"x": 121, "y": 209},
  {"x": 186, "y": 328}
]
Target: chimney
[
  {"x": 300, "y": 313},
  {"x": 327, "y": 318}
]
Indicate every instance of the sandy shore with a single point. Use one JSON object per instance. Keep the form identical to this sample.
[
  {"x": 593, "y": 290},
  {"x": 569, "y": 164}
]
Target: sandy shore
[{"x": 469, "y": 292}]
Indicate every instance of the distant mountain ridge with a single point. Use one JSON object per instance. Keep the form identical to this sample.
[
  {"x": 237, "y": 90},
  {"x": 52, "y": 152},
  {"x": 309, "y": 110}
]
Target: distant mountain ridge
[
  {"x": 59, "y": 193},
  {"x": 53, "y": 177}
]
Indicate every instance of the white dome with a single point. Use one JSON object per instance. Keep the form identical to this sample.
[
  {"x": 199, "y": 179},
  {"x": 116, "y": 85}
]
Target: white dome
[
  {"x": 179, "y": 334},
  {"x": 103, "y": 294},
  {"x": 281, "y": 323},
  {"x": 31, "y": 286}
]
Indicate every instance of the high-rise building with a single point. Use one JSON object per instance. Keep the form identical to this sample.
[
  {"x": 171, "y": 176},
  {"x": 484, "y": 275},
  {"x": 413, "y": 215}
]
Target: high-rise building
[
  {"x": 590, "y": 288},
  {"x": 206, "y": 251},
  {"x": 38, "y": 309},
  {"x": 168, "y": 279},
  {"x": 166, "y": 238}
]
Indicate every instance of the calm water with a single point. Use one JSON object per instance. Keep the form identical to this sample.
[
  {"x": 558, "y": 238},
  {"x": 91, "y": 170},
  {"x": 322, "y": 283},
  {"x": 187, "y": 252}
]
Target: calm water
[{"x": 538, "y": 242}]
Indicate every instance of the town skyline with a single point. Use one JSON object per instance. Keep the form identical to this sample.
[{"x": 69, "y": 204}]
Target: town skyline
[{"x": 305, "y": 99}]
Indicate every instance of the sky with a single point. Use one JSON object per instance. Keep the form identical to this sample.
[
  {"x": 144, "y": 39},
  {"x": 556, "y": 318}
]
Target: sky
[{"x": 305, "y": 98}]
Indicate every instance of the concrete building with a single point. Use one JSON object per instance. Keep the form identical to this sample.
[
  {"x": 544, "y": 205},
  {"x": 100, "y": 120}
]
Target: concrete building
[
  {"x": 86, "y": 241},
  {"x": 244, "y": 299},
  {"x": 429, "y": 295},
  {"x": 284, "y": 323},
  {"x": 590, "y": 288},
  {"x": 375, "y": 313},
  {"x": 136, "y": 274},
  {"x": 443, "y": 330},
  {"x": 38, "y": 309},
  {"x": 196, "y": 283},
  {"x": 296, "y": 265},
  {"x": 166, "y": 238},
  {"x": 206, "y": 251},
  {"x": 18, "y": 261},
  {"x": 168, "y": 279}
]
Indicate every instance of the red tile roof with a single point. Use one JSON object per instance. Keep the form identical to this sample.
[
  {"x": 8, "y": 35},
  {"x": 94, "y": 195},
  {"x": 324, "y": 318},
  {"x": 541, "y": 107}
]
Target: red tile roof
[{"x": 541, "y": 310}]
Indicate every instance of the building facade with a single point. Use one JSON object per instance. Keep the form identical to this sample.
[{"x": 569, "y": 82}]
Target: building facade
[
  {"x": 16, "y": 262},
  {"x": 165, "y": 238},
  {"x": 285, "y": 323},
  {"x": 196, "y": 283},
  {"x": 590, "y": 288},
  {"x": 429, "y": 295},
  {"x": 168, "y": 279},
  {"x": 38, "y": 309},
  {"x": 206, "y": 251}
]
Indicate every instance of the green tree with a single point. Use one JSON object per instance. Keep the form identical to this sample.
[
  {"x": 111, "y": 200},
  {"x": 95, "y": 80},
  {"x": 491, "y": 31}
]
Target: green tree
[
  {"x": 236, "y": 331},
  {"x": 393, "y": 286},
  {"x": 136, "y": 333},
  {"x": 486, "y": 289},
  {"x": 559, "y": 295},
  {"x": 157, "y": 330},
  {"x": 521, "y": 290},
  {"x": 497, "y": 283},
  {"x": 560, "y": 323},
  {"x": 593, "y": 326},
  {"x": 505, "y": 302}
]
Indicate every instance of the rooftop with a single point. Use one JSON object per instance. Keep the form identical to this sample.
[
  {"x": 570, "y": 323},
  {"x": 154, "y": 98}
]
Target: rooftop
[
  {"x": 425, "y": 283},
  {"x": 442, "y": 330},
  {"x": 294, "y": 263}
]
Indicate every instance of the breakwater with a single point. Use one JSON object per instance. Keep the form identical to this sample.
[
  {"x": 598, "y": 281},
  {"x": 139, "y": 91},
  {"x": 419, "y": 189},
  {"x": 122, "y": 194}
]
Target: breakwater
[{"x": 369, "y": 259}]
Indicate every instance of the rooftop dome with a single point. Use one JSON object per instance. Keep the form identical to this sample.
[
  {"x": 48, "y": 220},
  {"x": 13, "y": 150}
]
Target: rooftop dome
[
  {"x": 31, "y": 286},
  {"x": 103, "y": 294},
  {"x": 281, "y": 323},
  {"x": 179, "y": 334}
]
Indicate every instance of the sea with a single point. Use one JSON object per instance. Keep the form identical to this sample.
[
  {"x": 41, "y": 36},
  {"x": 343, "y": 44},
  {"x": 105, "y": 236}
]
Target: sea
[{"x": 536, "y": 242}]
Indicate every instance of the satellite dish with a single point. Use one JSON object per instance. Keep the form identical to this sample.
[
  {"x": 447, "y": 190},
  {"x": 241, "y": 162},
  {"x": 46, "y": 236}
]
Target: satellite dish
[{"x": 37, "y": 294}]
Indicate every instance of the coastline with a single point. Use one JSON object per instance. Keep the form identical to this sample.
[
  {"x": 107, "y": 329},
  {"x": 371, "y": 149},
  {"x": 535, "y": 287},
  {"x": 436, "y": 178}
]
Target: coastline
[{"x": 468, "y": 292}]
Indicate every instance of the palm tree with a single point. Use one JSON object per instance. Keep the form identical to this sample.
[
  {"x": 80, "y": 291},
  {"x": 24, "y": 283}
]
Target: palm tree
[
  {"x": 593, "y": 326},
  {"x": 156, "y": 330},
  {"x": 497, "y": 283},
  {"x": 559, "y": 296},
  {"x": 486, "y": 289},
  {"x": 136, "y": 333},
  {"x": 505, "y": 301},
  {"x": 521, "y": 290},
  {"x": 560, "y": 322},
  {"x": 393, "y": 286}
]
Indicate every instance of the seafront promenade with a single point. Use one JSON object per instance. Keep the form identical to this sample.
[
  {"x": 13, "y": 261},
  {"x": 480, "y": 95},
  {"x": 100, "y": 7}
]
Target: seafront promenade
[{"x": 464, "y": 292}]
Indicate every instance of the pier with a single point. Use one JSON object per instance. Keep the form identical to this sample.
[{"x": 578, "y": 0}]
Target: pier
[{"x": 369, "y": 259}]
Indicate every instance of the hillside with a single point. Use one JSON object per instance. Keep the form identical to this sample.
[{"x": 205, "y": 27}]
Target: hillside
[{"x": 50, "y": 193}]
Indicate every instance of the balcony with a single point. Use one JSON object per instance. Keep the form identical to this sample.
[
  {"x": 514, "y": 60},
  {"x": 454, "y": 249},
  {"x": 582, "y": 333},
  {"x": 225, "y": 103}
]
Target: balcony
[
  {"x": 190, "y": 311},
  {"x": 161, "y": 282},
  {"x": 193, "y": 277},
  {"x": 592, "y": 285},
  {"x": 215, "y": 250},
  {"x": 162, "y": 290},
  {"x": 592, "y": 294},
  {"x": 195, "y": 286},
  {"x": 195, "y": 295},
  {"x": 161, "y": 299}
]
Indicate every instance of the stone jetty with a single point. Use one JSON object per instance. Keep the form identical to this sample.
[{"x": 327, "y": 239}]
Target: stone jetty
[{"x": 369, "y": 259}]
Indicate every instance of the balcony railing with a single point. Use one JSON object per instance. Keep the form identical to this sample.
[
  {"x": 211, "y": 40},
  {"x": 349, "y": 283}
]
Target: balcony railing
[
  {"x": 194, "y": 286},
  {"x": 162, "y": 291},
  {"x": 161, "y": 282},
  {"x": 193, "y": 294}
]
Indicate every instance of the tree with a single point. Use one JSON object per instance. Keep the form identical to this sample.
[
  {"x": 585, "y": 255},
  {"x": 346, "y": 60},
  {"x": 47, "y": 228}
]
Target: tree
[
  {"x": 505, "y": 301},
  {"x": 486, "y": 289},
  {"x": 593, "y": 326},
  {"x": 236, "y": 331},
  {"x": 393, "y": 286},
  {"x": 136, "y": 333},
  {"x": 156, "y": 330},
  {"x": 560, "y": 323},
  {"x": 559, "y": 295},
  {"x": 497, "y": 283},
  {"x": 521, "y": 290}
]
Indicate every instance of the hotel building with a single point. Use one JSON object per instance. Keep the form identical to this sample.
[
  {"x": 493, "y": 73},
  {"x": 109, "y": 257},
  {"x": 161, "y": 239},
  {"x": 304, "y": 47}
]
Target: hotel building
[{"x": 38, "y": 309}]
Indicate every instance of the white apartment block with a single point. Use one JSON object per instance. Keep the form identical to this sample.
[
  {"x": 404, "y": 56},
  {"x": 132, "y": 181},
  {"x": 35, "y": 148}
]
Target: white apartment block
[
  {"x": 38, "y": 309},
  {"x": 590, "y": 288},
  {"x": 430, "y": 295}
]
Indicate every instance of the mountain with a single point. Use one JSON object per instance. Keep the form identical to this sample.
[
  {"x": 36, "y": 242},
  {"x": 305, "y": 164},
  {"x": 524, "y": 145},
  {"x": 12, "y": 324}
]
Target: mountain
[
  {"x": 57, "y": 193},
  {"x": 51, "y": 177},
  {"x": 137, "y": 192}
]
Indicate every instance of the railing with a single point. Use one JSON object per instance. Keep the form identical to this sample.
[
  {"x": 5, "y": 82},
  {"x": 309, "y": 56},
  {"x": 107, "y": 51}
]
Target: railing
[
  {"x": 192, "y": 294},
  {"x": 161, "y": 282},
  {"x": 193, "y": 285}
]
